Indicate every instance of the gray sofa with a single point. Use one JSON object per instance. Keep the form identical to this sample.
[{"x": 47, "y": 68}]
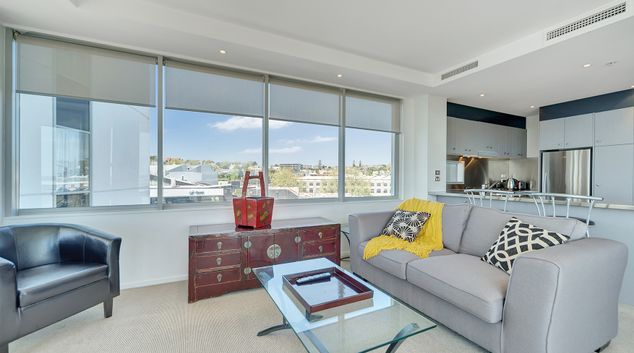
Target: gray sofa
[
  {"x": 558, "y": 300},
  {"x": 49, "y": 272}
]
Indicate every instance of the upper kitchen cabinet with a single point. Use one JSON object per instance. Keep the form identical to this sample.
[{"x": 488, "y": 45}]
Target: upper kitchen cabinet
[
  {"x": 551, "y": 134},
  {"x": 472, "y": 138},
  {"x": 614, "y": 127},
  {"x": 517, "y": 142},
  {"x": 578, "y": 131}
]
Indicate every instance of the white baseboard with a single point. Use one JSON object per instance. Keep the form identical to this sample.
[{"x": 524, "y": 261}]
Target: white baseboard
[{"x": 153, "y": 282}]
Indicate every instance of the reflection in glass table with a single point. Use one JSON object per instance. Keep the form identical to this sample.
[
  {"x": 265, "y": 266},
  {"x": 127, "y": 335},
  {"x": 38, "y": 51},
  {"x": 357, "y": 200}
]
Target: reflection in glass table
[{"x": 358, "y": 327}]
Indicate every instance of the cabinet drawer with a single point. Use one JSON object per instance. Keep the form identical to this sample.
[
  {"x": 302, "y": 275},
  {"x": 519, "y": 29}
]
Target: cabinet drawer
[
  {"x": 218, "y": 244},
  {"x": 317, "y": 234},
  {"x": 218, "y": 277},
  {"x": 319, "y": 248},
  {"x": 220, "y": 260}
]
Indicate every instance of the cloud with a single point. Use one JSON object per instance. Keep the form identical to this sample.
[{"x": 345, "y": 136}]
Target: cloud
[
  {"x": 316, "y": 139},
  {"x": 243, "y": 122},
  {"x": 283, "y": 150}
]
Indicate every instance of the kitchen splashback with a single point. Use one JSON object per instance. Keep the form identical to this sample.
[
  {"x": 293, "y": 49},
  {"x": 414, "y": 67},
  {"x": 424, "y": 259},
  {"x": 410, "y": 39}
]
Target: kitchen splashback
[{"x": 480, "y": 171}]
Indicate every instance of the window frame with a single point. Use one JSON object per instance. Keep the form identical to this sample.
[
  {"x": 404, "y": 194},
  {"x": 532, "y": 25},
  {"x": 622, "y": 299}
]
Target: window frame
[{"x": 12, "y": 142}]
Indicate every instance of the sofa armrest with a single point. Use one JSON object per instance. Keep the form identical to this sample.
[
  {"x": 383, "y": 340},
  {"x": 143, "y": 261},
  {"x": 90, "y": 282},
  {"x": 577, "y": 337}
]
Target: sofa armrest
[
  {"x": 364, "y": 226},
  {"x": 8, "y": 301},
  {"x": 564, "y": 298}
]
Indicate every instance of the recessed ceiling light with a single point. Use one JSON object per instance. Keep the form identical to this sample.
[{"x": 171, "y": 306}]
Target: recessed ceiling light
[
  {"x": 587, "y": 65},
  {"x": 481, "y": 94},
  {"x": 532, "y": 107},
  {"x": 222, "y": 51},
  {"x": 339, "y": 75}
]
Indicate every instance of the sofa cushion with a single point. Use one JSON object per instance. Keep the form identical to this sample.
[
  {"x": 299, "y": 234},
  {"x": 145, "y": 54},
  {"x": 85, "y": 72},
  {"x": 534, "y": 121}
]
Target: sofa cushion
[
  {"x": 464, "y": 281},
  {"x": 454, "y": 219},
  {"x": 395, "y": 262},
  {"x": 518, "y": 238},
  {"x": 406, "y": 225},
  {"x": 43, "y": 282},
  {"x": 485, "y": 224}
]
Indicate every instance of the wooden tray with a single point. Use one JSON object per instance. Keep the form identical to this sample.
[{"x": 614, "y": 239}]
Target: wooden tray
[{"x": 341, "y": 289}]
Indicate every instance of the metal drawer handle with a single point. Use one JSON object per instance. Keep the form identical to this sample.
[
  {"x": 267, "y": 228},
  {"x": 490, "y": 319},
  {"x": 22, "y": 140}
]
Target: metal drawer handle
[
  {"x": 247, "y": 244},
  {"x": 274, "y": 251},
  {"x": 219, "y": 261},
  {"x": 247, "y": 270},
  {"x": 320, "y": 235},
  {"x": 321, "y": 248},
  {"x": 219, "y": 277},
  {"x": 219, "y": 245},
  {"x": 298, "y": 239}
]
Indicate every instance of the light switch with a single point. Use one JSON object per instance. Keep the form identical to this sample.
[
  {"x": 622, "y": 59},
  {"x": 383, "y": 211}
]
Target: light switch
[
  {"x": 437, "y": 178},
  {"x": 437, "y": 172}
]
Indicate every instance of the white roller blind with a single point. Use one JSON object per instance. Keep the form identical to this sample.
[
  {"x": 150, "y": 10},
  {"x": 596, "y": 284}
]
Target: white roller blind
[
  {"x": 198, "y": 88},
  {"x": 57, "y": 68},
  {"x": 372, "y": 113},
  {"x": 303, "y": 103}
]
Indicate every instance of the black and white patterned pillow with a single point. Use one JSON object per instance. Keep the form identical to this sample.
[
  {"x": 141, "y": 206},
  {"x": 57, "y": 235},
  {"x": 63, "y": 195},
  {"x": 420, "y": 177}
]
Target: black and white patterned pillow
[
  {"x": 518, "y": 238},
  {"x": 405, "y": 224}
]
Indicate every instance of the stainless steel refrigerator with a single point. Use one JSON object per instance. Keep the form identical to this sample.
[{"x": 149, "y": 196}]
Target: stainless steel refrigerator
[{"x": 567, "y": 172}]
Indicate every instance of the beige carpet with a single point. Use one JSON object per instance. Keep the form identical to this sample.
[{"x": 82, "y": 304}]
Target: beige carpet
[{"x": 158, "y": 319}]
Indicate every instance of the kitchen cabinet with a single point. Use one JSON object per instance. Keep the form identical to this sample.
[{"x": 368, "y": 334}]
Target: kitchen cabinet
[
  {"x": 473, "y": 138},
  {"x": 613, "y": 173},
  {"x": 517, "y": 143},
  {"x": 578, "y": 131},
  {"x": 551, "y": 134},
  {"x": 614, "y": 127}
]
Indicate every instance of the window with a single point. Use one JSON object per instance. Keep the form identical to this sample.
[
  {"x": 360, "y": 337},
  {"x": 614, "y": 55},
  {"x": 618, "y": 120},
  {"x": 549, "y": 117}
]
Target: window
[
  {"x": 372, "y": 127},
  {"x": 303, "y": 133},
  {"x": 212, "y": 133},
  {"x": 89, "y": 126},
  {"x": 92, "y": 149}
]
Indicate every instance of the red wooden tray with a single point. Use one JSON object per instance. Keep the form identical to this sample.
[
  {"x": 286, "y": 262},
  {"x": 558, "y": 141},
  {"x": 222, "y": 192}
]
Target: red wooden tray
[{"x": 341, "y": 289}]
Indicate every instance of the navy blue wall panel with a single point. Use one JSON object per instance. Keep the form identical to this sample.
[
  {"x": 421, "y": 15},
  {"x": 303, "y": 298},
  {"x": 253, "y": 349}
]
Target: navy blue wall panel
[
  {"x": 486, "y": 116},
  {"x": 604, "y": 102}
]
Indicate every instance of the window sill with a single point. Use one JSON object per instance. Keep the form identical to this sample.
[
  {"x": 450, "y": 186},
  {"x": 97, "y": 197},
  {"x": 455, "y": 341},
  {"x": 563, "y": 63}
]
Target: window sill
[{"x": 148, "y": 209}]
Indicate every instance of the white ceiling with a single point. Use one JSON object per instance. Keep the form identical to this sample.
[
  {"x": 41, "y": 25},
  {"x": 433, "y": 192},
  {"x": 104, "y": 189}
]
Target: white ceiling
[{"x": 397, "y": 47}]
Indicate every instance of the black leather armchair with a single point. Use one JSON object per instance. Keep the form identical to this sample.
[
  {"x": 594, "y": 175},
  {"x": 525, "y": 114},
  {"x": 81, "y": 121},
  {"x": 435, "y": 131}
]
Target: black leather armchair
[{"x": 49, "y": 272}]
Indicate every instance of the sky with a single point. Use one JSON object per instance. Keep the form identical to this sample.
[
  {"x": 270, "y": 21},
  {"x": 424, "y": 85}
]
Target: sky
[{"x": 205, "y": 136}]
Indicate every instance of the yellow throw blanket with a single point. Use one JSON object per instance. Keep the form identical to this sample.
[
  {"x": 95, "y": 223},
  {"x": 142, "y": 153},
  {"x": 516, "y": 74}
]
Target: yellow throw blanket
[{"x": 428, "y": 240}]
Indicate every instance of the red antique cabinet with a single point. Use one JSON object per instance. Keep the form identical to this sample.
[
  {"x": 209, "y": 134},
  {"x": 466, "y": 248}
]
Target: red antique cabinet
[{"x": 222, "y": 257}]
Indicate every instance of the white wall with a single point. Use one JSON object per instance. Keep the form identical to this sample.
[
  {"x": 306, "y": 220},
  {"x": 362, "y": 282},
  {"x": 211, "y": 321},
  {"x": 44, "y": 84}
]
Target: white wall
[{"x": 2, "y": 107}]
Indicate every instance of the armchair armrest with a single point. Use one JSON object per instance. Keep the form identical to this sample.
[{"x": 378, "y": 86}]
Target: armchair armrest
[
  {"x": 564, "y": 298},
  {"x": 98, "y": 247},
  {"x": 8, "y": 301}
]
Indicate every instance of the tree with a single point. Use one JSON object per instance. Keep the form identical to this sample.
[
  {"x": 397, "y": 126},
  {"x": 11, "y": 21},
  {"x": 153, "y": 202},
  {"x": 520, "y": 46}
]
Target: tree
[
  {"x": 356, "y": 184},
  {"x": 284, "y": 177},
  {"x": 329, "y": 186}
]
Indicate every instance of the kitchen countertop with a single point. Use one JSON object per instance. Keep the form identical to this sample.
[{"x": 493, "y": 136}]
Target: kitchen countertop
[{"x": 519, "y": 198}]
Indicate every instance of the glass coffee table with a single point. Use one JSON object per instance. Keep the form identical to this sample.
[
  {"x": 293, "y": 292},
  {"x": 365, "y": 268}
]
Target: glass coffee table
[{"x": 381, "y": 321}]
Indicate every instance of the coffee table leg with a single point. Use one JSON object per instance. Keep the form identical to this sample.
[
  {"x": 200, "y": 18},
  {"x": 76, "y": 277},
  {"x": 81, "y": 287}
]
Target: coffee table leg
[
  {"x": 404, "y": 332},
  {"x": 285, "y": 325}
]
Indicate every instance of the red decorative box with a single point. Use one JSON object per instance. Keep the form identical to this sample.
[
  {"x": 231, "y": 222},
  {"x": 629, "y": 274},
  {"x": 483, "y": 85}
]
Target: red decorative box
[{"x": 253, "y": 211}]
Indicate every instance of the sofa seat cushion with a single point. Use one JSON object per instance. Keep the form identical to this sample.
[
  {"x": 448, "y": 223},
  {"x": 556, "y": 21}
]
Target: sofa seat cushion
[
  {"x": 464, "y": 281},
  {"x": 395, "y": 262},
  {"x": 43, "y": 282}
]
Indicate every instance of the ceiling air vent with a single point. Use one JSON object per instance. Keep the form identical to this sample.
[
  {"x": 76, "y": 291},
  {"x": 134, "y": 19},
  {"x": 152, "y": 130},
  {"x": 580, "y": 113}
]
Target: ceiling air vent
[
  {"x": 587, "y": 21},
  {"x": 459, "y": 70}
]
